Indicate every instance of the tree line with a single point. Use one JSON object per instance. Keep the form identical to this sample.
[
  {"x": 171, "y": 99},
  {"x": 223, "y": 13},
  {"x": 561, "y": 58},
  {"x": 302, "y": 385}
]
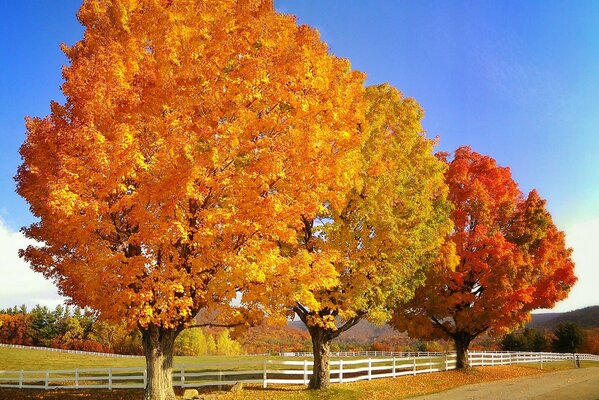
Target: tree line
[
  {"x": 567, "y": 337},
  {"x": 74, "y": 328},
  {"x": 214, "y": 157}
]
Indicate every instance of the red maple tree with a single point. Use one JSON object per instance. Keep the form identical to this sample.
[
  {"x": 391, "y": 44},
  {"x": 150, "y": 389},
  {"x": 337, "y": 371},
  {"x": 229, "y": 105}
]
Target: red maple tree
[{"x": 510, "y": 258}]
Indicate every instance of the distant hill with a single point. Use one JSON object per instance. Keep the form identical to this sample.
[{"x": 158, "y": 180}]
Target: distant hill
[
  {"x": 587, "y": 317},
  {"x": 539, "y": 320},
  {"x": 366, "y": 333}
]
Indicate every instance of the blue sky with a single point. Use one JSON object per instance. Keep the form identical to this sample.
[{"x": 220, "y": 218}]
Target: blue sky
[{"x": 515, "y": 80}]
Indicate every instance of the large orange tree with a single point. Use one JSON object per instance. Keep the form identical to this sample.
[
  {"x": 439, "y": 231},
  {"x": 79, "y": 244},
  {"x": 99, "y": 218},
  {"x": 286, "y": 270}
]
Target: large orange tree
[
  {"x": 360, "y": 256},
  {"x": 195, "y": 136},
  {"x": 511, "y": 259}
]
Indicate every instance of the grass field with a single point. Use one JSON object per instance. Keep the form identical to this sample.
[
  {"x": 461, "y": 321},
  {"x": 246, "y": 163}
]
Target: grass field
[
  {"x": 25, "y": 359},
  {"x": 399, "y": 388}
]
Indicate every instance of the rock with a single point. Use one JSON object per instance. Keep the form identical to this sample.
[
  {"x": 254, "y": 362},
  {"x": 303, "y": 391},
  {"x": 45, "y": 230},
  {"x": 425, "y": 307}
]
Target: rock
[
  {"x": 236, "y": 387},
  {"x": 189, "y": 394}
]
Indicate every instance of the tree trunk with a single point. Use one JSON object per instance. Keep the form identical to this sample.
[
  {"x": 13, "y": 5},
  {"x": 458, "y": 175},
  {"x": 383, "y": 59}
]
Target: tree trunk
[
  {"x": 158, "y": 348},
  {"x": 321, "y": 348},
  {"x": 461, "y": 342}
]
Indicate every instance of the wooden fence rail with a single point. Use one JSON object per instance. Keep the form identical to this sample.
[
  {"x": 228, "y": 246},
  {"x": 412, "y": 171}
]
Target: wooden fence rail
[{"x": 270, "y": 371}]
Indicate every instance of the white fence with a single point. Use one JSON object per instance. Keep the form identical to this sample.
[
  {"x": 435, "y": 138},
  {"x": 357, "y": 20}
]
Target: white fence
[
  {"x": 368, "y": 354},
  {"x": 270, "y": 372},
  {"x": 92, "y": 353},
  {"x": 488, "y": 358}
]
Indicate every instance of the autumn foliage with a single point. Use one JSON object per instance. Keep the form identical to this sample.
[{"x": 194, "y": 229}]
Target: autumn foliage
[
  {"x": 15, "y": 329},
  {"x": 213, "y": 127},
  {"x": 213, "y": 157},
  {"x": 356, "y": 258},
  {"x": 194, "y": 136},
  {"x": 511, "y": 259}
]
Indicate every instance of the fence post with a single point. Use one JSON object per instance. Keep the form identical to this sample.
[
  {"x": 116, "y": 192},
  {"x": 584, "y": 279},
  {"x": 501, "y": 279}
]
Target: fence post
[
  {"x": 182, "y": 375},
  {"x": 77, "y": 377},
  {"x": 145, "y": 377},
  {"x": 414, "y": 367},
  {"x": 340, "y": 371},
  {"x": 446, "y": 361},
  {"x": 46, "y": 383},
  {"x": 220, "y": 380},
  {"x": 370, "y": 369},
  {"x": 305, "y": 372},
  {"x": 264, "y": 383},
  {"x": 394, "y": 370},
  {"x": 109, "y": 378},
  {"x": 21, "y": 379}
]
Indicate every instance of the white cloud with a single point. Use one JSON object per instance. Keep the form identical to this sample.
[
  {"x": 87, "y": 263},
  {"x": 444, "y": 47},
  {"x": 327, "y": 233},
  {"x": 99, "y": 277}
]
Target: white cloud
[
  {"x": 584, "y": 239},
  {"x": 18, "y": 283}
]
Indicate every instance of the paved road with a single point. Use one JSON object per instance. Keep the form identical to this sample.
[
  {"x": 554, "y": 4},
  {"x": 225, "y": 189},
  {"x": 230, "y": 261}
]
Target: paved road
[{"x": 573, "y": 384}]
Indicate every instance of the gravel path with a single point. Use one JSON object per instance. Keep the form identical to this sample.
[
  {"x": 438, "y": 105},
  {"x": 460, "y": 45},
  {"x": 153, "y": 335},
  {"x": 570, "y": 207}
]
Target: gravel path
[{"x": 573, "y": 384}]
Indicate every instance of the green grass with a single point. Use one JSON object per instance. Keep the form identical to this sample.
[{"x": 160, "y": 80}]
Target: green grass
[
  {"x": 30, "y": 360},
  {"x": 34, "y": 360},
  {"x": 559, "y": 365},
  {"x": 25, "y": 359}
]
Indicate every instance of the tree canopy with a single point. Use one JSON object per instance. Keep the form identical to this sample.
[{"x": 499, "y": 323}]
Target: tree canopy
[
  {"x": 370, "y": 252},
  {"x": 568, "y": 338},
  {"x": 512, "y": 259},
  {"x": 194, "y": 136}
]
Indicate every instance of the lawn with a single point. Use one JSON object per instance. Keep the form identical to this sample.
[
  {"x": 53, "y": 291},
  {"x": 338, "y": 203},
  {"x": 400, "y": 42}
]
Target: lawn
[
  {"x": 26, "y": 359},
  {"x": 380, "y": 389}
]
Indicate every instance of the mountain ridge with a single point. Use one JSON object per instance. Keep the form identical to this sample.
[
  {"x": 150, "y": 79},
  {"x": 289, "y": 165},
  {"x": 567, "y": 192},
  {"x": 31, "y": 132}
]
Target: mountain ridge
[{"x": 587, "y": 317}]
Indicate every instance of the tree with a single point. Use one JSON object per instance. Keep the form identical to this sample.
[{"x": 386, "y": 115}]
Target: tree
[
  {"x": 512, "y": 259},
  {"x": 211, "y": 344},
  {"x": 528, "y": 340},
  {"x": 194, "y": 136},
  {"x": 568, "y": 338},
  {"x": 43, "y": 325},
  {"x": 590, "y": 344},
  {"x": 191, "y": 342},
  {"x": 370, "y": 251},
  {"x": 226, "y": 346},
  {"x": 16, "y": 329}
]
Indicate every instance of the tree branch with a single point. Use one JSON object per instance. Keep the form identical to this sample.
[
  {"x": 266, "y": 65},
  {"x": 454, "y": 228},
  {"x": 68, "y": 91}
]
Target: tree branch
[
  {"x": 301, "y": 312},
  {"x": 443, "y": 327},
  {"x": 348, "y": 324}
]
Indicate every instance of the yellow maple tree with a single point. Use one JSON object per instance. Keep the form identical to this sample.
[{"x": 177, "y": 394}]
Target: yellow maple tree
[
  {"x": 195, "y": 136},
  {"x": 370, "y": 251}
]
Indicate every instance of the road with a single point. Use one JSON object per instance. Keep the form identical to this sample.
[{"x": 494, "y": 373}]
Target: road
[{"x": 573, "y": 384}]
